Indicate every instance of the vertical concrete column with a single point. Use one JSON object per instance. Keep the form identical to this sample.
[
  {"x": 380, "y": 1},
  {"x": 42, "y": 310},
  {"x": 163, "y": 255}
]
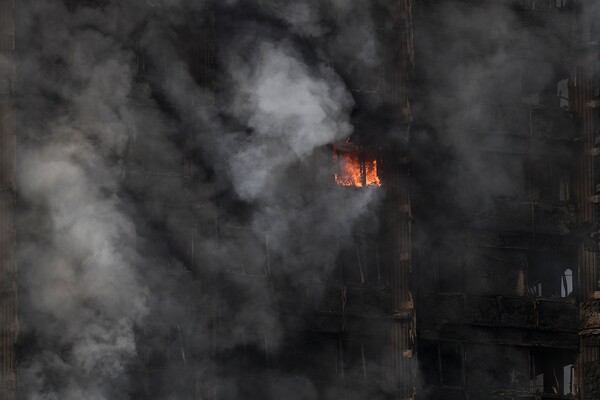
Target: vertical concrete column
[{"x": 583, "y": 86}]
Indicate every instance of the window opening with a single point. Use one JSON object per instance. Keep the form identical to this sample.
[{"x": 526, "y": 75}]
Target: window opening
[
  {"x": 568, "y": 372},
  {"x": 355, "y": 166},
  {"x": 562, "y": 88},
  {"x": 566, "y": 287},
  {"x": 451, "y": 364},
  {"x": 552, "y": 372},
  {"x": 550, "y": 274}
]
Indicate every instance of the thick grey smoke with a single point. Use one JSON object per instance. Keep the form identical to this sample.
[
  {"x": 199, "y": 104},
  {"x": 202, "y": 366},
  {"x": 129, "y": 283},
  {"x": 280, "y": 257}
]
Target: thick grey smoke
[
  {"x": 84, "y": 293},
  {"x": 291, "y": 112},
  {"x": 485, "y": 66},
  {"x": 488, "y": 73},
  {"x": 109, "y": 110}
]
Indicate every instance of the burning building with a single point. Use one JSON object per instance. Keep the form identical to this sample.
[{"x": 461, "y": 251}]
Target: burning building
[
  {"x": 505, "y": 274},
  {"x": 313, "y": 199}
]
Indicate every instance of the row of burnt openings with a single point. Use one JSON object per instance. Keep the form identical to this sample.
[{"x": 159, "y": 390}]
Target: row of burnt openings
[
  {"x": 515, "y": 273},
  {"x": 326, "y": 359},
  {"x": 544, "y": 4},
  {"x": 522, "y": 81},
  {"x": 351, "y": 165},
  {"x": 321, "y": 357},
  {"x": 514, "y": 177},
  {"x": 492, "y": 368},
  {"x": 501, "y": 175},
  {"x": 359, "y": 260},
  {"x": 501, "y": 272}
]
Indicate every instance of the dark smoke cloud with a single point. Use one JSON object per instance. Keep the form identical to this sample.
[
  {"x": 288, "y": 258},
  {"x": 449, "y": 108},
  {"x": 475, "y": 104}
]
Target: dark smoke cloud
[{"x": 109, "y": 109}]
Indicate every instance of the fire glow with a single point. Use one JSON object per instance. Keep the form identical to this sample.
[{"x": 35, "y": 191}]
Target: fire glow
[{"x": 352, "y": 170}]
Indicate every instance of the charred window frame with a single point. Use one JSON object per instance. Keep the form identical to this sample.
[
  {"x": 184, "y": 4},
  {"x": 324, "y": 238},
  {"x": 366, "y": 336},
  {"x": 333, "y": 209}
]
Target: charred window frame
[
  {"x": 325, "y": 358},
  {"x": 544, "y": 83},
  {"x": 316, "y": 356},
  {"x": 361, "y": 261},
  {"x": 493, "y": 367},
  {"x": 361, "y": 358},
  {"x": 552, "y": 274},
  {"x": 495, "y": 175},
  {"x": 447, "y": 262},
  {"x": 550, "y": 180},
  {"x": 562, "y": 88},
  {"x": 495, "y": 272},
  {"x": 552, "y": 372},
  {"x": 356, "y": 165},
  {"x": 562, "y": 3},
  {"x": 477, "y": 271},
  {"x": 442, "y": 363}
]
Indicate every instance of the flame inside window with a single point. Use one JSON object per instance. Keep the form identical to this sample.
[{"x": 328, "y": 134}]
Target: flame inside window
[{"x": 355, "y": 167}]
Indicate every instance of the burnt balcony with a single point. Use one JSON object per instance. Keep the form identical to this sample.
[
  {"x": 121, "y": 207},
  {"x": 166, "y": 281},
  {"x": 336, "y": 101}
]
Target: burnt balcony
[
  {"x": 553, "y": 123},
  {"x": 542, "y": 218},
  {"x": 511, "y": 129},
  {"x": 499, "y": 312},
  {"x": 328, "y": 307}
]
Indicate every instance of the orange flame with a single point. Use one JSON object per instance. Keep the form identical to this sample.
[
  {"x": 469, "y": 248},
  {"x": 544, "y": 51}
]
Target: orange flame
[
  {"x": 371, "y": 173},
  {"x": 350, "y": 171}
]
